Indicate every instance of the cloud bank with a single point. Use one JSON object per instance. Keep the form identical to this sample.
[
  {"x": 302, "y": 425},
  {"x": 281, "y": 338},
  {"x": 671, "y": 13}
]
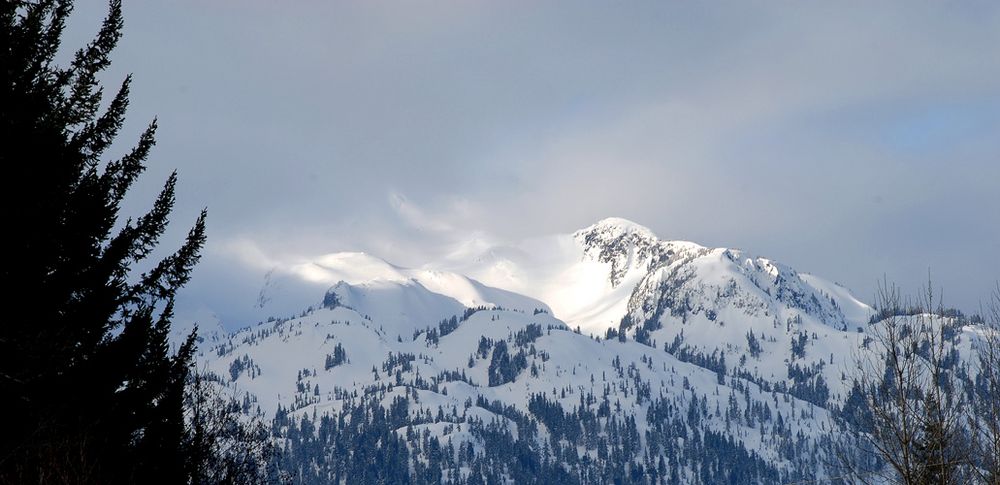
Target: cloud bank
[{"x": 847, "y": 140}]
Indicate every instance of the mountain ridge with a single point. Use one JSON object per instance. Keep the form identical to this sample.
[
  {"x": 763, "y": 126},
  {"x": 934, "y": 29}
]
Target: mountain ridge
[{"x": 721, "y": 367}]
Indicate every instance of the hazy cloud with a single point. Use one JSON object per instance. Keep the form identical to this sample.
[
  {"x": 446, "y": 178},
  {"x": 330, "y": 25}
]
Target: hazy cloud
[{"x": 846, "y": 139}]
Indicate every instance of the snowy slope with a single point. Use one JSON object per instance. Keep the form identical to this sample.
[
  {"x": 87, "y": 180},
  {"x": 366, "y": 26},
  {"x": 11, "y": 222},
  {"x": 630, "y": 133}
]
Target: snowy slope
[
  {"x": 688, "y": 359},
  {"x": 617, "y": 275},
  {"x": 283, "y": 368},
  {"x": 591, "y": 278},
  {"x": 411, "y": 298},
  {"x": 585, "y": 277}
]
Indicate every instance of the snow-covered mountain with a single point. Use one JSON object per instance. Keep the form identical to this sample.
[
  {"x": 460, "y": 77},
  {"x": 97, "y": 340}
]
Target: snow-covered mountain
[
  {"x": 589, "y": 279},
  {"x": 595, "y": 276},
  {"x": 692, "y": 365}
]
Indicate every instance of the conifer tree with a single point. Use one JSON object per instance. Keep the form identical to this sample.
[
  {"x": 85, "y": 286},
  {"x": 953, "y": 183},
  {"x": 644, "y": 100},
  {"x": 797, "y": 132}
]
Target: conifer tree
[{"x": 93, "y": 393}]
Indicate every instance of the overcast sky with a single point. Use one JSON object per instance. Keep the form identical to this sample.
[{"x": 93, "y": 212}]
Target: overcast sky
[{"x": 849, "y": 140}]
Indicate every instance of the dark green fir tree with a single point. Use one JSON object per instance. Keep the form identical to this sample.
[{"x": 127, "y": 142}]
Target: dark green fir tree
[{"x": 91, "y": 391}]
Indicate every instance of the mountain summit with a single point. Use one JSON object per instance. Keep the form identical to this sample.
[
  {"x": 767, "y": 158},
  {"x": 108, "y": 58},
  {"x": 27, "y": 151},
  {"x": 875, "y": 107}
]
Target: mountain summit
[{"x": 598, "y": 275}]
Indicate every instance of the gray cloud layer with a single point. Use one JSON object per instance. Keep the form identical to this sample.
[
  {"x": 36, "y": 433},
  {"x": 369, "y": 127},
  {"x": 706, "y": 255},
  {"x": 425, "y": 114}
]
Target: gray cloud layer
[{"x": 848, "y": 139}]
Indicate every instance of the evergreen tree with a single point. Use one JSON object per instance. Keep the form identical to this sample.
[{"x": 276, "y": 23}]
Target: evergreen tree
[
  {"x": 91, "y": 389},
  {"x": 499, "y": 370}
]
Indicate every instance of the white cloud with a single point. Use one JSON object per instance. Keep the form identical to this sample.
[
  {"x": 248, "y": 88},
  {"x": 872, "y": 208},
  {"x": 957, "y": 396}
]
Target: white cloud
[{"x": 770, "y": 126}]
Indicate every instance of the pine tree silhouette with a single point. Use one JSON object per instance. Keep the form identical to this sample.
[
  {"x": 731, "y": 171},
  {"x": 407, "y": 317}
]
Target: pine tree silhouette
[{"x": 92, "y": 391}]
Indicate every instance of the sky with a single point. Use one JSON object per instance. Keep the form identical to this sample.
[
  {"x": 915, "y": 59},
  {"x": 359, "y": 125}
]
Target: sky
[{"x": 852, "y": 140}]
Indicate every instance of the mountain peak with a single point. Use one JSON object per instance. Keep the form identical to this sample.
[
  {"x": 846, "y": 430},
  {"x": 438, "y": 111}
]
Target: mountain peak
[
  {"x": 622, "y": 243},
  {"x": 617, "y": 226}
]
